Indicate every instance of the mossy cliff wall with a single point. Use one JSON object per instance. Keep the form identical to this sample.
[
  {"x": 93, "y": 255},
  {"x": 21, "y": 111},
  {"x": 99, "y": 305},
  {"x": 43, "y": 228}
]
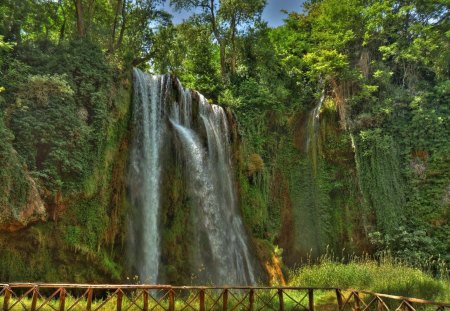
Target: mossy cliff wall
[
  {"x": 300, "y": 201},
  {"x": 82, "y": 239},
  {"x": 67, "y": 158},
  {"x": 380, "y": 186}
]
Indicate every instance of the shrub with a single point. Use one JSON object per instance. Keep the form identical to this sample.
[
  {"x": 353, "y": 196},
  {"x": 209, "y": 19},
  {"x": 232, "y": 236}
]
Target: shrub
[{"x": 385, "y": 276}]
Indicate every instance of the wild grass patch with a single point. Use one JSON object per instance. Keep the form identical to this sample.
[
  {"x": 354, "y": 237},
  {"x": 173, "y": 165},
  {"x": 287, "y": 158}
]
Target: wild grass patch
[{"x": 384, "y": 275}]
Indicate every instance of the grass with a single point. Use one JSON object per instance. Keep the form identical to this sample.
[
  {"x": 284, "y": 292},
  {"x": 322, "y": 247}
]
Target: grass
[{"x": 382, "y": 276}]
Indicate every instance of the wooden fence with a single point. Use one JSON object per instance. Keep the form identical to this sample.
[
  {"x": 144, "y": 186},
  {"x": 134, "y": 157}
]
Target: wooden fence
[{"x": 60, "y": 297}]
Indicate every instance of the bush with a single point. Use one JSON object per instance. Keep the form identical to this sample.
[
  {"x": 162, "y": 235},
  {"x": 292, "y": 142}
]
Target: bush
[
  {"x": 14, "y": 186},
  {"x": 385, "y": 276},
  {"x": 58, "y": 110}
]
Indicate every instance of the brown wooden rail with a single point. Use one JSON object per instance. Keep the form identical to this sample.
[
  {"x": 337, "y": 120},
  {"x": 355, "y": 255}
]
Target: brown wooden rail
[{"x": 89, "y": 297}]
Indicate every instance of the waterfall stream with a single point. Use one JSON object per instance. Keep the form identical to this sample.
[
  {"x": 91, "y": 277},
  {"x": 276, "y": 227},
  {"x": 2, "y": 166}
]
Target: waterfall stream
[
  {"x": 312, "y": 143},
  {"x": 164, "y": 115},
  {"x": 144, "y": 175}
]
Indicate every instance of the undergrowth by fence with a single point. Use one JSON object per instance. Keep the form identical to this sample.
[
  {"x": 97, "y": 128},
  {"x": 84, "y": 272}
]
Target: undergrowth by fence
[{"x": 60, "y": 297}]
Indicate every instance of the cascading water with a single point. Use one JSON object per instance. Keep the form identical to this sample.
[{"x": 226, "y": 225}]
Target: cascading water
[
  {"x": 144, "y": 175},
  {"x": 166, "y": 115},
  {"x": 310, "y": 214},
  {"x": 224, "y": 253},
  {"x": 312, "y": 137}
]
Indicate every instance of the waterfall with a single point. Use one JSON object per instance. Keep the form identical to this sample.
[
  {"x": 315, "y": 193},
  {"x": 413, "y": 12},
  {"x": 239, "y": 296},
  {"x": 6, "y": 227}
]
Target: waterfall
[
  {"x": 165, "y": 114},
  {"x": 144, "y": 175},
  {"x": 312, "y": 137},
  {"x": 312, "y": 198}
]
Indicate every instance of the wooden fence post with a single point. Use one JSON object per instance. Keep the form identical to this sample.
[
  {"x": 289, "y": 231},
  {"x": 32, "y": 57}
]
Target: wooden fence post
[
  {"x": 62, "y": 299},
  {"x": 339, "y": 298},
  {"x": 311, "y": 299},
  {"x": 225, "y": 299},
  {"x": 280, "y": 299},
  {"x": 251, "y": 299},
  {"x": 171, "y": 300},
  {"x": 356, "y": 297},
  {"x": 202, "y": 299},
  {"x": 145, "y": 298},
  {"x": 6, "y": 299},
  {"x": 119, "y": 299},
  {"x": 89, "y": 299},
  {"x": 34, "y": 299}
]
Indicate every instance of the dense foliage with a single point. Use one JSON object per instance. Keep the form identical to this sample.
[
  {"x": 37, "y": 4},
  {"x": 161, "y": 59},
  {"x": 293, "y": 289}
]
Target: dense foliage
[{"x": 369, "y": 172}]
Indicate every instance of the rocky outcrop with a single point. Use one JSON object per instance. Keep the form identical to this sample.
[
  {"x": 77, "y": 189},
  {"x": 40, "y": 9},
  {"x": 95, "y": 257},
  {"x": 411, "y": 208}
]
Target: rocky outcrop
[{"x": 33, "y": 210}]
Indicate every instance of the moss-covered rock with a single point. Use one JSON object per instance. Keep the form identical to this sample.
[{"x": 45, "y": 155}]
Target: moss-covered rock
[{"x": 83, "y": 239}]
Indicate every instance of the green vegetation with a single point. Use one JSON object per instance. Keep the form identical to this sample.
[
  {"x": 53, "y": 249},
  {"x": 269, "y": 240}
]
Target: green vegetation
[
  {"x": 372, "y": 175},
  {"x": 67, "y": 125},
  {"x": 385, "y": 275}
]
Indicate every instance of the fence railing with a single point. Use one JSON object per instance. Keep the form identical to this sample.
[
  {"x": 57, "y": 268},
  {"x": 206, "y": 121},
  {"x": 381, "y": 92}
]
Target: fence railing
[{"x": 60, "y": 297}]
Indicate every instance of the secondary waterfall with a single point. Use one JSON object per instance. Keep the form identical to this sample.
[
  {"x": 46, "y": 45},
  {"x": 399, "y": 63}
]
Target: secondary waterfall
[
  {"x": 312, "y": 198},
  {"x": 165, "y": 115},
  {"x": 312, "y": 134}
]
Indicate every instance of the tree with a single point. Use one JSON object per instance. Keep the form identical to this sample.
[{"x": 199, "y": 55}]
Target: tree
[
  {"x": 225, "y": 18},
  {"x": 80, "y": 18},
  {"x": 187, "y": 50}
]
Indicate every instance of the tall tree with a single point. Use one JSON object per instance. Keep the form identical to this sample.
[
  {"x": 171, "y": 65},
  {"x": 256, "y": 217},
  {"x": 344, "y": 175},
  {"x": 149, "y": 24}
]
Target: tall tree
[
  {"x": 80, "y": 18},
  {"x": 225, "y": 18}
]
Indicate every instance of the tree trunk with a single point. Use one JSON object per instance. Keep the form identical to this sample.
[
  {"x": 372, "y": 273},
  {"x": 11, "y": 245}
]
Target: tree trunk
[
  {"x": 216, "y": 32},
  {"x": 122, "y": 27},
  {"x": 114, "y": 28},
  {"x": 233, "y": 58},
  {"x": 223, "y": 64},
  {"x": 62, "y": 30},
  {"x": 88, "y": 15},
  {"x": 80, "y": 18}
]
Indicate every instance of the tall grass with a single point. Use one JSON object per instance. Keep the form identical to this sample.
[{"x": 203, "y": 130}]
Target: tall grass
[{"x": 384, "y": 275}]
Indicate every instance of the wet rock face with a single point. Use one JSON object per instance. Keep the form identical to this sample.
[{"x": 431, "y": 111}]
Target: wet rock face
[{"x": 13, "y": 219}]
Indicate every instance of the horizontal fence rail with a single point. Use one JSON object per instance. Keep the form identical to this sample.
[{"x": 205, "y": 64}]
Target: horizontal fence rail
[{"x": 60, "y": 297}]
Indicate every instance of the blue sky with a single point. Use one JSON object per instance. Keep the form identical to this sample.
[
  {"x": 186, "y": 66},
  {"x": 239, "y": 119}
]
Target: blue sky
[{"x": 272, "y": 13}]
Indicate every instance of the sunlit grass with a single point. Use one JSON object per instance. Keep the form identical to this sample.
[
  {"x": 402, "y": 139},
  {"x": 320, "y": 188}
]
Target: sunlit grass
[{"x": 383, "y": 276}]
